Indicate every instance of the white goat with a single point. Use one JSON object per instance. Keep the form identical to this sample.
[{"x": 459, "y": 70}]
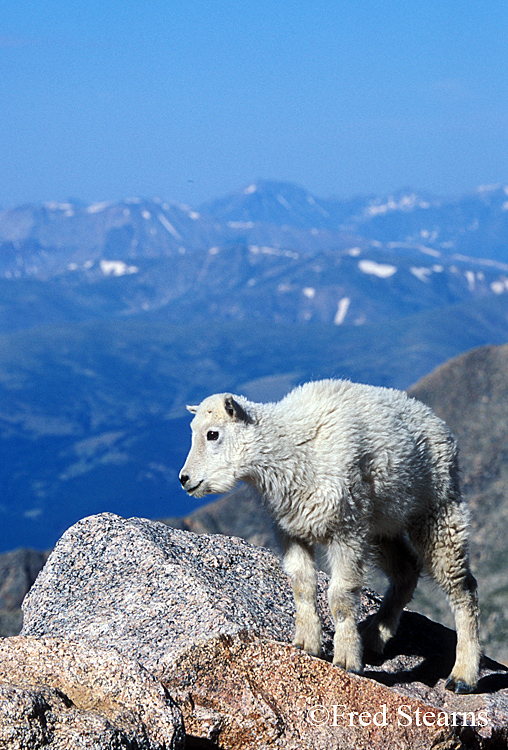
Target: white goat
[{"x": 366, "y": 471}]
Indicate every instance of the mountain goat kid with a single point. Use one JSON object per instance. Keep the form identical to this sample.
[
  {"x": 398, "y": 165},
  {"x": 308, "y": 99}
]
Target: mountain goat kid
[{"x": 368, "y": 472}]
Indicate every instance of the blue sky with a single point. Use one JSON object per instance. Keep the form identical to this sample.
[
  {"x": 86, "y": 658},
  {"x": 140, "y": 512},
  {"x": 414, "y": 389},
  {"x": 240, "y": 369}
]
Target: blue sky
[{"x": 191, "y": 100}]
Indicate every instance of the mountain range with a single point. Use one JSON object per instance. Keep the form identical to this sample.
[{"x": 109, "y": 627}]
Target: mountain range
[
  {"x": 341, "y": 262},
  {"x": 114, "y": 315}
]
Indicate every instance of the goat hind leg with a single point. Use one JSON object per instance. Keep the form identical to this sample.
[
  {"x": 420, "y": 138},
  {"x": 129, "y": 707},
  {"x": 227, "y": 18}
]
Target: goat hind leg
[
  {"x": 397, "y": 558},
  {"x": 446, "y": 556},
  {"x": 463, "y": 597}
]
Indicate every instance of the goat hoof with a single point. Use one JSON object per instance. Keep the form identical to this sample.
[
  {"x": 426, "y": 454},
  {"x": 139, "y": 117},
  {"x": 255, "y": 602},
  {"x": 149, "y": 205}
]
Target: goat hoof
[{"x": 458, "y": 686}]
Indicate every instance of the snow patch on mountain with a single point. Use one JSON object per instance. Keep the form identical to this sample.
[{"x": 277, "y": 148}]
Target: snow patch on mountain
[
  {"x": 283, "y": 202},
  {"x": 96, "y": 208},
  {"x": 421, "y": 273},
  {"x": 342, "y": 309},
  {"x": 116, "y": 268},
  {"x": 264, "y": 250},
  {"x": 381, "y": 270},
  {"x": 167, "y": 225},
  {"x": 499, "y": 286},
  {"x": 404, "y": 203}
]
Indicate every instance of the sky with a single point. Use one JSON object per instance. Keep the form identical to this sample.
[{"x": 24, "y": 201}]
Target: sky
[{"x": 192, "y": 100}]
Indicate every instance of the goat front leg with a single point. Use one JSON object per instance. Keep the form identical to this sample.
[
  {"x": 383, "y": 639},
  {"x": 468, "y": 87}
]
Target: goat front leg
[
  {"x": 300, "y": 566},
  {"x": 346, "y": 578}
]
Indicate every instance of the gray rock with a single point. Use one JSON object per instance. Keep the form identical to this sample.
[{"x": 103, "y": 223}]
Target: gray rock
[
  {"x": 66, "y": 694},
  {"x": 149, "y": 590},
  {"x": 209, "y": 616},
  {"x": 36, "y": 716}
]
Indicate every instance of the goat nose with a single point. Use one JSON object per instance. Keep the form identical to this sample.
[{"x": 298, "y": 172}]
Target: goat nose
[{"x": 184, "y": 478}]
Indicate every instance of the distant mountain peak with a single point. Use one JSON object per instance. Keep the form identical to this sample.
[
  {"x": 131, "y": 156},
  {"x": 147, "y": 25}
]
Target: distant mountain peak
[{"x": 269, "y": 202}]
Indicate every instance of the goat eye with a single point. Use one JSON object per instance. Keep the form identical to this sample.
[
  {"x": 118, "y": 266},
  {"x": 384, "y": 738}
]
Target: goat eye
[{"x": 212, "y": 435}]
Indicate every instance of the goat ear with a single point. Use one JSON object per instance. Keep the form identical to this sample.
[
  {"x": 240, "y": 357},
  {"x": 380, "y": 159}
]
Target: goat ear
[
  {"x": 192, "y": 409},
  {"x": 235, "y": 411}
]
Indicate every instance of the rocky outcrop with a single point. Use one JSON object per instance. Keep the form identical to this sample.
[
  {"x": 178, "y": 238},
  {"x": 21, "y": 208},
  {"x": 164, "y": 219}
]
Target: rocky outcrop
[
  {"x": 150, "y": 591},
  {"x": 127, "y": 613},
  {"x": 250, "y": 693},
  {"x": 72, "y": 694}
]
